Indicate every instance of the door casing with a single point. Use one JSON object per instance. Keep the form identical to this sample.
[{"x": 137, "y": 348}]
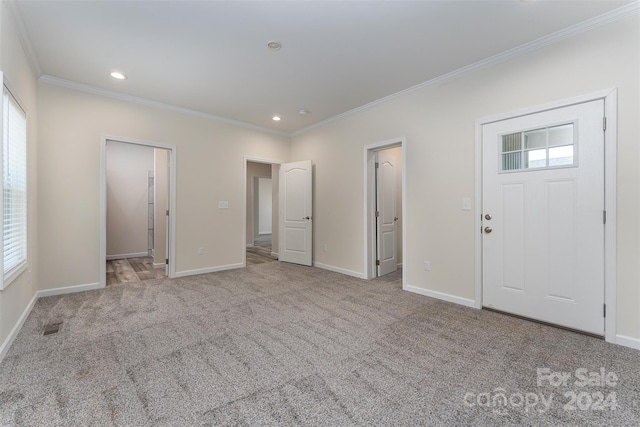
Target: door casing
[
  {"x": 370, "y": 204},
  {"x": 171, "y": 235},
  {"x": 610, "y": 135}
]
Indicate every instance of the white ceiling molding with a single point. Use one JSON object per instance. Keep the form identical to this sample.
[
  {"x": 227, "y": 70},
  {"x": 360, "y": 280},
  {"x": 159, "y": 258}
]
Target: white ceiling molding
[
  {"x": 588, "y": 25},
  {"x": 25, "y": 41},
  {"x": 154, "y": 104}
]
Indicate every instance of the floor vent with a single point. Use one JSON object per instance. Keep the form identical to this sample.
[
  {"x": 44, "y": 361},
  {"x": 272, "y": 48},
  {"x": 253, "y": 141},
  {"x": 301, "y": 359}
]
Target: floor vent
[{"x": 52, "y": 328}]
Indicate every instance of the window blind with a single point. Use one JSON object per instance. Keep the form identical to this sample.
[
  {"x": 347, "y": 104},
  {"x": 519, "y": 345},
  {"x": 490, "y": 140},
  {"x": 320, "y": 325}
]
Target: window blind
[{"x": 14, "y": 181}]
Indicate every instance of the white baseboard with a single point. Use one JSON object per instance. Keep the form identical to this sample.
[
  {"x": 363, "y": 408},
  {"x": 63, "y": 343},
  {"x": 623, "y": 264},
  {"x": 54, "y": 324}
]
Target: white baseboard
[
  {"x": 159, "y": 265},
  {"x": 207, "y": 270},
  {"x": 440, "y": 295},
  {"x": 628, "y": 341},
  {"x": 339, "y": 270},
  {"x": 6, "y": 345},
  {"x": 264, "y": 233},
  {"x": 4, "y": 348},
  {"x": 122, "y": 256},
  {"x": 275, "y": 254},
  {"x": 68, "y": 290}
]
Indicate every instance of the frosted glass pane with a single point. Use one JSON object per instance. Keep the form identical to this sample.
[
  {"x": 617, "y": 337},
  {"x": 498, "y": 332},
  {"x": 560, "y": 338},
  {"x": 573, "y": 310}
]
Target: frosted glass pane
[
  {"x": 535, "y": 159},
  {"x": 512, "y": 142},
  {"x": 561, "y": 135},
  {"x": 561, "y": 156},
  {"x": 511, "y": 161},
  {"x": 535, "y": 139}
]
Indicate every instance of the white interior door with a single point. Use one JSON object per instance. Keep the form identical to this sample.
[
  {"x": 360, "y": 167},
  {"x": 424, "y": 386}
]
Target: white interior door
[
  {"x": 543, "y": 227},
  {"x": 386, "y": 218},
  {"x": 296, "y": 212}
]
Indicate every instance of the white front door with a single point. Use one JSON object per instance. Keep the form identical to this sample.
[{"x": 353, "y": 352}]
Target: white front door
[
  {"x": 386, "y": 217},
  {"x": 295, "y": 212},
  {"x": 542, "y": 216}
]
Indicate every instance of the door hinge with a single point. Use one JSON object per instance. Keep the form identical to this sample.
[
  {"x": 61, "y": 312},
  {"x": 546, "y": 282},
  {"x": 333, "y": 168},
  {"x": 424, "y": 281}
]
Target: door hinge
[
  {"x": 604, "y": 123},
  {"x": 377, "y": 214},
  {"x": 604, "y": 310},
  {"x": 166, "y": 261},
  {"x": 604, "y": 217},
  {"x": 167, "y": 212},
  {"x": 377, "y": 165},
  {"x": 377, "y": 262}
]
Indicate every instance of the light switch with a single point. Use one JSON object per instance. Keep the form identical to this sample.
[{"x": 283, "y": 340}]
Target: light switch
[
  {"x": 223, "y": 205},
  {"x": 466, "y": 204}
]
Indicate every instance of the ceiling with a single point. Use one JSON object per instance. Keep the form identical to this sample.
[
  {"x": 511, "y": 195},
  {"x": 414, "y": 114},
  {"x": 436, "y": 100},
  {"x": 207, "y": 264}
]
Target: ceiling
[{"x": 212, "y": 56}]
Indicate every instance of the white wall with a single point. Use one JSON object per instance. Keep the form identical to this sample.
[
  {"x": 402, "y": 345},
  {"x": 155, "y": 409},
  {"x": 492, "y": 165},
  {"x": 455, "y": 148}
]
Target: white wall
[
  {"x": 161, "y": 206},
  {"x": 265, "y": 205},
  {"x": 209, "y": 166},
  {"x": 438, "y": 123},
  {"x": 127, "y": 167},
  {"x": 18, "y": 75}
]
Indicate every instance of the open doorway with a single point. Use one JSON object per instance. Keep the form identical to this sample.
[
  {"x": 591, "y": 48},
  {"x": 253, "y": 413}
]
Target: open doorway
[
  {"x": 135, "y": 207},
  {"x": 385, "y": 210},
  {"x": 261, "y": 236}
]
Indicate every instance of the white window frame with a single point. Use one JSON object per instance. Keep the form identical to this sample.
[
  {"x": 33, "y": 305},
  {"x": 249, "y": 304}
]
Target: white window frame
[{"x": 7, "y": 278}]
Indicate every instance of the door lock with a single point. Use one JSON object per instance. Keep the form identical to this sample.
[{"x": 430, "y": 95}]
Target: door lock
[
  {"x": 488, "y": 217},
  {"x": 488, "y": 230}
]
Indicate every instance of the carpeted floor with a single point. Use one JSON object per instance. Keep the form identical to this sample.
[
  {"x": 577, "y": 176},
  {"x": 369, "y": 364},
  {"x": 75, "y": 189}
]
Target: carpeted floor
[{"x": 278, "y": 344}]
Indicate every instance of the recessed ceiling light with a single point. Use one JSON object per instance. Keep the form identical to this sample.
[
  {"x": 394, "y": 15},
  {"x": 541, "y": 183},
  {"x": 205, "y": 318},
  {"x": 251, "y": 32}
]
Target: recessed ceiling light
[
  {"x": 276, "y": 118},
  {"x": 274, "y": 45},
  {"x": 117, "y": 75}
]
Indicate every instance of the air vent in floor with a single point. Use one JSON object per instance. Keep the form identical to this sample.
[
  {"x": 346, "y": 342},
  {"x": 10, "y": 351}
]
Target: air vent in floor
[{"x": 52, "y": 328}]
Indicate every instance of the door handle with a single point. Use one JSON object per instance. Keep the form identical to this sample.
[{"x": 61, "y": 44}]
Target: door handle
[
  {"x": 488, "y": 217},
  {"x": 395, "y": 218},
  {"x": 488, "y": 230},
  {"x": 306, "y": 217}
]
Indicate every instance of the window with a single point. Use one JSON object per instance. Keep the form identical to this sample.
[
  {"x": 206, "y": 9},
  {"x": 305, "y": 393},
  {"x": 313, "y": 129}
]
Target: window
[
  {"x": 550, "y": 147},
  {"x": 14, "y": 183}
]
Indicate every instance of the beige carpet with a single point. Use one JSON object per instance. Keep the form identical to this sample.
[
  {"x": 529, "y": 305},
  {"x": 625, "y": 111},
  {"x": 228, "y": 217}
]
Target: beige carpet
[{"x": 278, "y": 344}]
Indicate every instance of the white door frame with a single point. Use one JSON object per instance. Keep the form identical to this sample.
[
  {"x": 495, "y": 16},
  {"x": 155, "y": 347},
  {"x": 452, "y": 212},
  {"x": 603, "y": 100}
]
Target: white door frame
[
  {"x": 103, "y": 201},
  {"x": 248, "y": 159},
  {"x": 370, "y": 202},
  {"x": 610, "y": 156}
]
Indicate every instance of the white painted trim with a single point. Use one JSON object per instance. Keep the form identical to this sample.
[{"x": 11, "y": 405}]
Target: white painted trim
[
  {"x": 244, "y": 199},
  {"x": 6, "y": 345},
  {"x": 610, "y": 158},
  {"x": 628, "y": 341},
  {"x": 68, "y": 290},
  {"x": 588, "y": 25},
  {"x": 275, "y": 254},
  {"x": 369, "y": 202},
  {"x": 55, "y": 81},
  {"x": 207, "y": 270},
  {"x": 159, "y": 265},
  {"x": 172, "y": 159},
  {"x": 122, "y": 256},
  {"x": 440, "y": 295},
  {"x": 339, "y": 270},
  {"x": 610, "y": 205}
]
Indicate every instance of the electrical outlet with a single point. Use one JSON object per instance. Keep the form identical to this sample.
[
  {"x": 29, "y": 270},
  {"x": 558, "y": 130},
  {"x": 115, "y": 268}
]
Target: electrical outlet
[
  {"x": 427, "y": 266},
  {"x": 200, "y": 251}
]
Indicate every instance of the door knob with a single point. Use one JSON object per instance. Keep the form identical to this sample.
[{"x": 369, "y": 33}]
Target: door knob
[
  {"x": 395, "y": 218},
  {"x": 488, "y": 230},
  {"x": 306, "y": 217},
  {"x": 487, "y": 217}
]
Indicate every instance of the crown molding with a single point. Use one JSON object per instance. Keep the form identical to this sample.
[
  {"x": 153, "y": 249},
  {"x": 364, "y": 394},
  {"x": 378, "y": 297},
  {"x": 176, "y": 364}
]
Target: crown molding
[
  {"x": 55, "y": 81},
  {"x": 23, "y": 36},
  {"x": 582, "y": 27}
]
